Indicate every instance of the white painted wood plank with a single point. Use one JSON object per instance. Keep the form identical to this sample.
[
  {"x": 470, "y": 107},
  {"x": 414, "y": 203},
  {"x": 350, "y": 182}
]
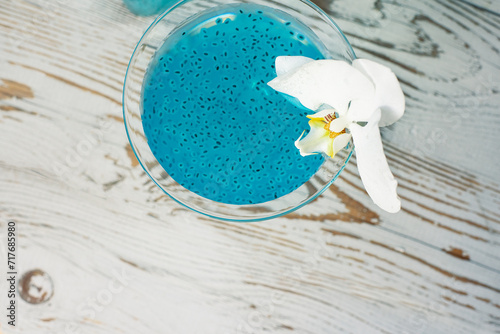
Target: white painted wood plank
[
  {"x": 85, "y": 210},
  {"x": 318, "y": 266}
]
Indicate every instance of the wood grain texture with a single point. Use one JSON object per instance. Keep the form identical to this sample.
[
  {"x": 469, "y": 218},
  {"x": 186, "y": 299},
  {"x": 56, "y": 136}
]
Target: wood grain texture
[{"x": 124, "y": 258}]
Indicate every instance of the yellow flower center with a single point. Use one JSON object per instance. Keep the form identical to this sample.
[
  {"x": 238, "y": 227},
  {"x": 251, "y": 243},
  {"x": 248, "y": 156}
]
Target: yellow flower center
[{"x": 328, "y": 120}]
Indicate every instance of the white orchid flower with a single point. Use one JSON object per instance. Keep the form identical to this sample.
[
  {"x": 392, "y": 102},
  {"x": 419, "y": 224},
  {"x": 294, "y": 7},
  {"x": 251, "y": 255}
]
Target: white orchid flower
[{"x": 355, "y": 100}]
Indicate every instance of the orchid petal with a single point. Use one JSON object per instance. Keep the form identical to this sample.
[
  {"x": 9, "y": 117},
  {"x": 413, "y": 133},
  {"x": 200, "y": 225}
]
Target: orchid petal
[
  {"x": 331, "y": 82},
  {"x": 362, "y": 110},
  {"x": 372, "y": 165},
  {"x": 340, "y": 142},
  {"x": 285, "y": 64},
  {"x": 317, "y": 140},
  {"x": 388, "y": 96},
  {"x": 339, "y": 124}
]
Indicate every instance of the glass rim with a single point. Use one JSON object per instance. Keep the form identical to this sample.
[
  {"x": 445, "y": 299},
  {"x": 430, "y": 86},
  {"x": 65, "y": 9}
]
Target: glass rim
[{"x": 271, "y": 215}]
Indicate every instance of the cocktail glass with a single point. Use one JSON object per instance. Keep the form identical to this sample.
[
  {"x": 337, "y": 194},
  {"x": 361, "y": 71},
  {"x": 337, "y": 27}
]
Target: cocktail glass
[{"x": 335, "y": 46}]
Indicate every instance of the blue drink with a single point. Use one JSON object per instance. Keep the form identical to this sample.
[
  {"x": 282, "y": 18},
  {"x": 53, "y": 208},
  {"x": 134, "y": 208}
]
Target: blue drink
[{"x": 209, "y": 117}]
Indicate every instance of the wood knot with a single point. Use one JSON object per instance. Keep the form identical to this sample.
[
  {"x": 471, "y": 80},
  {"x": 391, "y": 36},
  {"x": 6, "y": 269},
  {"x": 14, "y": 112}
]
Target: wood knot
[{"x": 36, "y": 287}]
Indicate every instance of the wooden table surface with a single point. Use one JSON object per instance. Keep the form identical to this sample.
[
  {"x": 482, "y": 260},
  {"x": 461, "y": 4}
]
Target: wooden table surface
[{"x": 125, "y": 258}]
